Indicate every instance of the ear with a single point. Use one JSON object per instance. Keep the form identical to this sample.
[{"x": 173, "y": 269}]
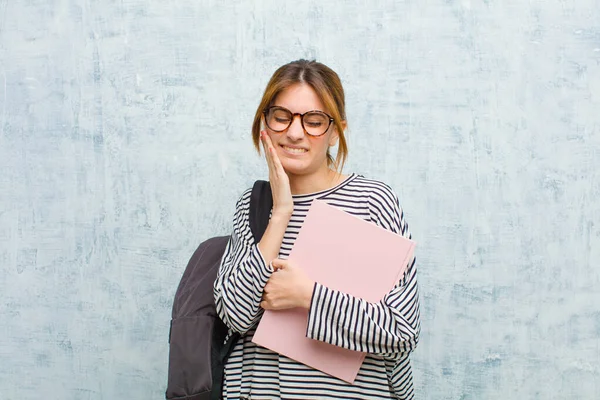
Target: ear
[{"x": 335, "y": 135}]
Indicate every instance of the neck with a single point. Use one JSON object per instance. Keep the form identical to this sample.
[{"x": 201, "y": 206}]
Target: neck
[{"x": 320, "y": 180}]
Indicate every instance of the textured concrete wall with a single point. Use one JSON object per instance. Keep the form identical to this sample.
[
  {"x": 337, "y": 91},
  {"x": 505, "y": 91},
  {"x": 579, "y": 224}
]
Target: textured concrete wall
[{"x": 124, "y": 141}]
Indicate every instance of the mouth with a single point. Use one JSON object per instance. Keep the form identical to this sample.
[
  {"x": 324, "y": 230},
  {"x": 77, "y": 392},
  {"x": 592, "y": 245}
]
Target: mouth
[{"x": 294, "y": 150}]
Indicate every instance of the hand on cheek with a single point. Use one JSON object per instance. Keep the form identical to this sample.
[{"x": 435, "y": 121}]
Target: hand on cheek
[{"x": 288, "y": 287}]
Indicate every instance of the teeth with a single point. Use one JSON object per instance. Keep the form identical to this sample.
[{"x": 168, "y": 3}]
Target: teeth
[{"x": 298, "y": 151}]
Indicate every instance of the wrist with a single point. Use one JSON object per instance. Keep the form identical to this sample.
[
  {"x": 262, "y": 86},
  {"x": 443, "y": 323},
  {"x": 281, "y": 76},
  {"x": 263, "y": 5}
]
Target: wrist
[
  {"x": 281, "y": 215},
  {"x": 308, "y": 295}
]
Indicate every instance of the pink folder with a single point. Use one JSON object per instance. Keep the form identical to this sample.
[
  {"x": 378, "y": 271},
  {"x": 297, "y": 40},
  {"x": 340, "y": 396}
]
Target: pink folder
[{"x": 341, "y": 252}]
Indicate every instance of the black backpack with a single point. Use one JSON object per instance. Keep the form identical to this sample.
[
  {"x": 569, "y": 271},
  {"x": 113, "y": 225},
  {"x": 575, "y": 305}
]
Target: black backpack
[{"x": 197, "y": 347}]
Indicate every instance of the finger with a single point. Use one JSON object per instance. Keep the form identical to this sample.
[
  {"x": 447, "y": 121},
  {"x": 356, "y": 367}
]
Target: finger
[
  {"x": 270, "y": 154},
  {"x": 265, "y": 146},
  {"x": 270, "y": 147},
  {"x": 274, "y": 157},
  {"x": 278, "y": 263},
  {"x": 264, "y": 137},
  {"x": 267, "y": 139},
  {"x": 277, "y": 163},
  {"x": 268, "y": 305}
]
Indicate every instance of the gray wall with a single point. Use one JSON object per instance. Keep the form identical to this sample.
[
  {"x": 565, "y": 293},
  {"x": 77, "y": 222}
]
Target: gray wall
[{"x": 124, "y": 141}]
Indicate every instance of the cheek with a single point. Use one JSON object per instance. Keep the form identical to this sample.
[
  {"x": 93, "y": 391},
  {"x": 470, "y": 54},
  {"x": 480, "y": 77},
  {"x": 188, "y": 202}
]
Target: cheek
[
  {"x": 333, "y": 139},
  {"x": 321, "y": 144},
  {"x": 274, "y": 138}
]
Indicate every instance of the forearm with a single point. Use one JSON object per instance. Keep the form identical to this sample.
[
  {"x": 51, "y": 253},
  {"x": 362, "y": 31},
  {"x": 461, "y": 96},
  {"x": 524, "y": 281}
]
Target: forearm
[
  {"x": 245, "y": 268},
  {"x": 239, "y": 288},
  {"x": 390, "y": 326},
  {"x": 273, "y": 237}
]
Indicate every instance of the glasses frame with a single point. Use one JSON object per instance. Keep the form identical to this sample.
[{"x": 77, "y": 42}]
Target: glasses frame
[{"x": 266, "y": 111}]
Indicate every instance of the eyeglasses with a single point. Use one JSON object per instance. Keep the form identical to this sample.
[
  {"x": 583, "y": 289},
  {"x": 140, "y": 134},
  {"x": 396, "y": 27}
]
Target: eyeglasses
[{"x": 315, "y": 123}]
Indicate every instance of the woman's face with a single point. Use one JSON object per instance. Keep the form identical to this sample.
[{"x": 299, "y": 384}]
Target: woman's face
[{"x": 300, "y": 153}]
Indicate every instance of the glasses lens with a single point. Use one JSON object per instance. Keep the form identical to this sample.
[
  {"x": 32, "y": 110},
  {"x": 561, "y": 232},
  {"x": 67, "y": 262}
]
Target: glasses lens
[
  {"x": 315, "y": 123},
  {"x": 278, "y": 119}
]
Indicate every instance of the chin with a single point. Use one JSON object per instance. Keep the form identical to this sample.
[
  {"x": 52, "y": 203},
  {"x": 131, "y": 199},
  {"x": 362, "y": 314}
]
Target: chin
[{"x": 294, "y": 167}]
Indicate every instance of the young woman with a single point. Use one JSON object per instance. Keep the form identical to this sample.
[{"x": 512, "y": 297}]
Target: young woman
[{"x": 300, "y": 117}]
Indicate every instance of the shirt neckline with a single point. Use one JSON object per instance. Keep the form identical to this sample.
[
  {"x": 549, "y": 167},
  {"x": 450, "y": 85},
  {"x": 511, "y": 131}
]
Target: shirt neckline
[{"x": 311, "y": 196}]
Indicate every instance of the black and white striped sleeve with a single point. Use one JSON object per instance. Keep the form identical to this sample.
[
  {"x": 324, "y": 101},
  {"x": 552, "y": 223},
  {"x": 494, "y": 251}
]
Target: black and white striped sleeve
[
  {"x": 391, "y": 326},
  {"x": 242, "y": 275}
]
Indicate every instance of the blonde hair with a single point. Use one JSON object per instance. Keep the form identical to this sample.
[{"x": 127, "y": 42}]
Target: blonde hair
[{"x": 325, "y": 82}]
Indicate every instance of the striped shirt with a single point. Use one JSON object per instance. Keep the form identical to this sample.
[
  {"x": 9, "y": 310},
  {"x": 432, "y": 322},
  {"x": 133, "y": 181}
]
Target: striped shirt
[{"x": 387, "y": 331}]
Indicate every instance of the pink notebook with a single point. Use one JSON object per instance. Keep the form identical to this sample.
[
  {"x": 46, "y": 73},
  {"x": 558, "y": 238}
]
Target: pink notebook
[{"x": 345, "y": 253}]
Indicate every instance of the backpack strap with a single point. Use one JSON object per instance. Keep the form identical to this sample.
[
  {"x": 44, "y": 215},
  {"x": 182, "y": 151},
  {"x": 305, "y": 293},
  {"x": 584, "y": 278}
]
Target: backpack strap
[{"x": 261, "y": 202}]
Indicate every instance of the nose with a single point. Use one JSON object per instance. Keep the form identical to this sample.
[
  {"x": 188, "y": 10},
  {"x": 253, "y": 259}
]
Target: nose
[{"x": 295, "y": 131}]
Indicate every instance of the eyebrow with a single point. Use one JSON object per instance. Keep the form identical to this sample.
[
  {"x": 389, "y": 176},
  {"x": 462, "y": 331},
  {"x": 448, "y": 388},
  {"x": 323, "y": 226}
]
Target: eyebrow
[{"x": 314, "y": 109}]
